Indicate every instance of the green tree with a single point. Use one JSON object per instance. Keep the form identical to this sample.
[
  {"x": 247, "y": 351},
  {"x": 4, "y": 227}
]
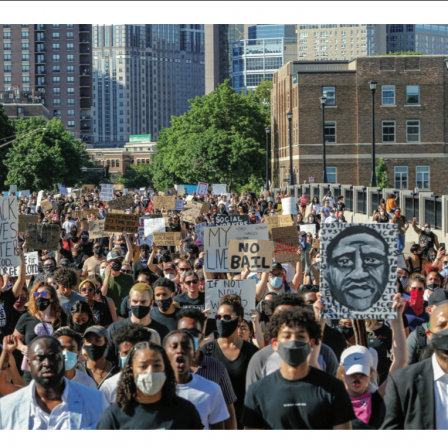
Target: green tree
[
  {"x": 262, "y": 94},
  {"x": 40, "y": 158},
  {"x": 221, "y": 139},
  {"x": 6, "y": 135},
  {"x": 137, "y": 176},
  {"x": 381, "y": 175}
]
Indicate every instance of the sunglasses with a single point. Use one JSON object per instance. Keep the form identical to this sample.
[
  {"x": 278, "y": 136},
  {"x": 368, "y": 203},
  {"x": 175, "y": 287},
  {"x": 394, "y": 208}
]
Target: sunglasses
[
  {"x": 226, "y": 317},
  {"x": 194, "y": 332},
  {"x": 87, "y": 290},
  {"x": 194, "y": 282},
  {"x": 419, "y": 288},
  {"x": 184, "y": 269},
  {"x": 126, "y": 271},
  {"x": 40, "y": 294}
]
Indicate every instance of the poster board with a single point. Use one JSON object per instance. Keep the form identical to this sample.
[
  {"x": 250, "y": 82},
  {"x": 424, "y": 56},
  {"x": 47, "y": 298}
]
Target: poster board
[
  {"x": 85, "y": 213},
  {"x": 401, "y": 263},
  {"x": 180, "y": 190},
  {"x": 316, "y": 243},
  {"x": 122, "y": 203},
  {"x": 96, "y": 229},
  {"x": 278, "y": 221},
  {"x": 308, "y": 228},
  {"x": 118, "y": 187},
  {"x": 167, "y": 238},
  {"x": 191, "y": 211},
  {"x": 216, "y": 243},
  {"x": 9, "y": 228},
  {"x": 43, "y": 236},
  {"x": 234, "y": 220},
  {"x": 13, "y": 188},
  {"x": 199, "y": 230},
  {"x": 286, "y": 241},
  {"x": 121, "y": 222},
  {"x": 179, "y": 205},
  {"x": 26, "y": 219},
  {"x": 25, "y": 193},
  {"x": 255, "y": 255},
  {"x": 46, "y": 205},
  {"x": 149, "y": 227},
  {"x": 39, "y": 197},
  {"x": 107, "y": 192},
  {"x": 31, "y": 266},
  {"x": 88, "y": 189},
  {"x": 289, "y": 206},
  {"x": 219, "y": 189},
  {"x": 202, "y": 189},
  {"x": 166, "y": 202},
  {"x": 215, "y": 289},
  {"x": 358, "y": 270}
]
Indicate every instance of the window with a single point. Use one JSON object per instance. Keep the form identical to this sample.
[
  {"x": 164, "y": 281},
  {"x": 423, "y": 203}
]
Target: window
[
  {"x": 21, "y": 110},
  {"x": 70, "y": 68},
  {"x": 70, "y": 124},
  {"x": 70, "y": 47},
  {"x": 6, "y": 35},
  {"x": 56, "y": 102},
  {"x": 6, "y": 46},
  {"x": 56, "y": 47},
  {"x": 412, "y": 94},
  {"x": 55, "y": 35},
  {"x": 401, "y": 177},
  {"x": 25, "y": 57},
  {"x": 117, "y": 163},
  {"x": 25, "y": 79},
  {"x": 6, "y": 57},
  {"x": 70, "y": 79},
  {"x": 7, "y": 79},
  {"x": 71, "y": 113},
  {"x": 70, "y": 26},
  {"x": 332, "y": 175},
  {"x": 330, "y": 94},
  {"x": 56, "y": 57},
  {"x": 70, "y": 57},
  {"x": 423, "y": 177},
  {"x": 70, "y": 90},
  {"x": 7, "y": 68},
  {"x": 25, "y": 46},
  {"x": 113, "y": 163},
  {"x": 69, "y": 35},
  {"x": 412, "y": 131},
  {"x": 330, "y": 132},
  {"x": 25, "y": 35},
  {"x": 388, "y": 131},
  {"x": 56, "y": 90},
  {"x": 70, "y": 102},
  {"x": 56, "y": 80},
  {"x": 25, "y": 68},
  {"x": 56, "y": 68},
  {"x": 388, "y": 95}
]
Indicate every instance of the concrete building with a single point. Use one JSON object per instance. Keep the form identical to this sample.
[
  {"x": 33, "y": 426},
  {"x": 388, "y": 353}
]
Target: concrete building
[
  {"x": 54, "y": 60},
  {"x": 18, "y": 104},
  {"x": 142, "y": 75},
  {"x": 411, "y": 129}
]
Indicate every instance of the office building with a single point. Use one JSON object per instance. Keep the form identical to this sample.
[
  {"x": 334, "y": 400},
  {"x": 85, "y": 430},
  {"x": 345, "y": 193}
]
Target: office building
[
  {"x": 411, "y": 130},
  {"x": 50, "y": 62},
  {"x": 17, "y": 104},
  {"x": 142, "y": 75},
  {"x": 430, "y": 39}
]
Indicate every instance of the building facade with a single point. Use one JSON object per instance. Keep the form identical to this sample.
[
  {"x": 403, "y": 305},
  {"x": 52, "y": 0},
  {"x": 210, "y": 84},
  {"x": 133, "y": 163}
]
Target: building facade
[
  {"x": 411, "y": 126},
  {"x": 142, "y": 75},
  {"x": 54, "y": 60},
  {"x": 18, "y": 104}
]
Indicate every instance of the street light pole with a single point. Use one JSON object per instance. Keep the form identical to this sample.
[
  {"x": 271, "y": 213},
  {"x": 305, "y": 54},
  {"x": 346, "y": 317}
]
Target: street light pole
[
  {"x": 323, "y": 100},
  {"x": 20, "y": 136},
  {"x": 291, "y": 178},
  {"x": 268, "y": 130},
  {"x": 372, "y": 85}
]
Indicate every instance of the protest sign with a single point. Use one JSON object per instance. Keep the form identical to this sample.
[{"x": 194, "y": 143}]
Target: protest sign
[
  {"x": 180, "y": 190},
  {"x": 62, "y": 190},
  {"x": 107, "y": 192},
  {"x": 122, "y": 203},
  {"x": 286, "y": 241},
  {"x": 166, "y": 202},
  {"x": 39, "y": 197},
  {"x": 191, "y": 212},
  {"x": 219, "y": 189},
  {"x": 43, "y": 236},
  {"x": 24, "y": 220},
  {"x": 401, "y": 263},
  {"x": 216, "y": 243},
  {"x": 205, "y": 207},
  {"x": 189, "y": 198},
  {"x": 199, "y": 230},
  {"x": 149, "y": 227},
  {"x": 96, "y": 229},
  {"x": 46, "y": 205},
  {"x": 215, "y": 289},
  {"x": 202, "y": 189},
  {"x": 255, "y": 255},
  {"x": 358, "y": 270},
  {"x": 118, "y": 187},
  {"x": 234, "y": 220},
  {"x": 308, "y": 228},
  {"x": 85, "y": 213},
  {"x": 87, "y": 189},
  {"x": 9, "y": 228},
  {"x": 31, "y": 266},
  {"x": 289, "y": 206},
  {"x": 316, "y": 243},
  {"x": 13, "y": 188},
  {"x": 179, "y": 205},
  {"x": 279, "y": 221},
  {"x": 167, "y": 238},
  {"x": 125, "y": 190},
  {"x": 25, "y": 193},
  {"x": 121, "y": 222}
]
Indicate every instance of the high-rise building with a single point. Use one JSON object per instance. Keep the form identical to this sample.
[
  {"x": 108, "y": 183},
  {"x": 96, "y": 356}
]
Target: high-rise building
[
  {"x": 142, "y": 75},
  {"x": 55, "y": 61}
]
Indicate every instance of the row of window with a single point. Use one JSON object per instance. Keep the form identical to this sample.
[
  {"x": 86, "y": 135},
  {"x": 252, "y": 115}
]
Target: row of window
[
  {"x": 114, "y": 163},
  {"x": 388, "y": 131},
  {"x": 57, "y": 35},
  {"x": 39, "y": 26}
]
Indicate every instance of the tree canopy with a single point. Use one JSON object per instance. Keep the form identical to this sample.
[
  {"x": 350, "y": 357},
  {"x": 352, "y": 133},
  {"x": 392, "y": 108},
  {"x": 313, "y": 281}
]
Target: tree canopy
[
  {"x": 136, "y": 176},
  {"x": 6, "y": 135}
]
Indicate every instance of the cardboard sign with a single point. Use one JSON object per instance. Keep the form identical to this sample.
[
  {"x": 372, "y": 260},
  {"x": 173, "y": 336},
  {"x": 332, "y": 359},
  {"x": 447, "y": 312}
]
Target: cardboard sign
[
  {"x": 121, "y": 222},
  {"x": 308, "y": 228},
  {"x": 26, "y": 219},
  {"x": 167, "y": 238},
  {"x": 166, "y": 202},
  {"x": 118, "y": 187},
  {"x": 9, "y": 231},
  {"x": 202, "y": 189},
  {"x": 316, "y": 243},
  {"x": 87, "y": 189},
  {"x": 149, "y": 227},
  {"x": 215, "y": 289},
  {"x": 234, "y": 220},
  {"x": 122, "y": 203},
  {"x": 31, "y": 266},
  {"x": 96, "y": 229},
  {"x": 216, "y": 243},
  {"x": 289, "y": 206},
  {"x": 46, "y": 205},
  {"x": 85, "y": 213},
  {"x": 279, "y": 221},
  {"x": 219, "y": 189},
  {"x": 179, "y": 205},
  {"x": 191, "y": 211},
  {"x": 205, "y": 207},
  {"x": 286, "y": 242},
  {"x": 43, "y": 236},
  {"x": 116, "y": 211},
  {"x": 199, "y": 230},
  {"x": 358, "y": 270},
  {"x": 401, "y": 263},
  {"x": 107, "y": 192},
  {"x": 253, "y": 254}
]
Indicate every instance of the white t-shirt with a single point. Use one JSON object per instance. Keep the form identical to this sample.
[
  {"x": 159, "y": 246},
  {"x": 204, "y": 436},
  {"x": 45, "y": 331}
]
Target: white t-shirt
[
  {"x": 85, "y": 380},
  {"x": 109, "y": 388},
  {"x": 330, "y": 199},
  {"x": 331, "y": 220},
  {"x": 68, "y": 226},
  {"x": 316, "y": 207},
  {"x": 208, "y": 399}
]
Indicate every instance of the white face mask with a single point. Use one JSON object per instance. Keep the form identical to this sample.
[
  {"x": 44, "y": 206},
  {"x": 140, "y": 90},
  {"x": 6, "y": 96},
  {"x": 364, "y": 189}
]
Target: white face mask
[
  {"x": 382, "y": 213},
  {"x": 427, "y": 230},
  {"x": 170, "y": 276},
  {"x": 102, "y": 271},
  {"x": 332, "y": 215},
  {"x": 150, "y": 383}
]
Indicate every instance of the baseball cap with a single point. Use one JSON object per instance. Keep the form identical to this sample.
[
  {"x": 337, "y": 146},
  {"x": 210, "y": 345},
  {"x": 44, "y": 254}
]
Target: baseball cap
[
  {"x": 169, "y": 266},
  {"x": 98, "y": 330},
  {"x": 357, "y": 359},
  {"x": 276, "y": 266},
  {"x": 439, "y": 295},
  {"x": 199, "y": 243},
  {"x": 113, "y": 255}
]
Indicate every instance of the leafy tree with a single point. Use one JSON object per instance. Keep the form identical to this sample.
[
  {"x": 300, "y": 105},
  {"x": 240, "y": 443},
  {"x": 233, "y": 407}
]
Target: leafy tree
[
  {"x": 40, "y": 158},
  {"x": 6, "y": 135},
  {"x": 221, "y": 139},
  {"x": 381, "y": 175},
  {"x": 137, "y": 176}
]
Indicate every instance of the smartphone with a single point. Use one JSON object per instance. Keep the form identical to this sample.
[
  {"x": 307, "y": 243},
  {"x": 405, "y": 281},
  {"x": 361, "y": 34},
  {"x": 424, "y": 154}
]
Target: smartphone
[{"x": 442, "y": 246}]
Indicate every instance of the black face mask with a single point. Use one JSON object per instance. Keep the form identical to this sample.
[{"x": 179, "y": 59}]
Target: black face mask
[
  {"x": 226, "y": 329},
  {"x": 95, "y": 352},
  {"x": 116, "y": 265},
  {"x": 433, "y": 286},
  {"x": 440, "y": 341},
  {"x": 140, "y": 311},
  {"x": 42, "y": 303},
  {"x": 347, "y": 332},
  {"x": 98, "y": 250},
  {"x": 80, "y": 328},
  {"x": 49, "y": 269},
  {"x": 164, "y": 305},
  {"x": 294, "y": 353}
]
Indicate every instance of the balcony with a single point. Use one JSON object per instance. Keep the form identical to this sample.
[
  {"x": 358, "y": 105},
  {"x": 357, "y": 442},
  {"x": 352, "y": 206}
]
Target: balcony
[
  {"x": 85, "y": 138},
  {"x": 39, "y": 27},
  {"x": 40, "y": 37},
  {"x": 85, "y": 117},
  {"x": 85, "y": 72},
  {"x": 85, "y": 50},
  {"x": 85, "y": 107},
  {"x": 40, "y": 49},
  {"x": 41, "y": 72},
  {"x": 85, "y": 128},
  {"x": 40, "y": 61},
  {"x": 84, "y": 41},
  {"x": 85, "y": 85},
  {"x": 83, "y": 29},
  {"x": 85, "y": 95}
]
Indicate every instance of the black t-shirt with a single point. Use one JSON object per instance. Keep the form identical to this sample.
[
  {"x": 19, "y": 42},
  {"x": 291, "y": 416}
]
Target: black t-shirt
[
  {"x": 318, "y": 401},
  {"x": 335, "y": 340},
  {"x": 381, "y": 341},
  {"x": 341, "y": 206},
  {"x": 125, "y": 308},
  {"x": 236, "y": 369},
  {"x": 168, "y": 321},
  {"x": 87, "y": 249},
  {"x": 7, "y": 316},
  {"x": 32, "y": 327},
  {"x": 102, "y": 313},
  {"x": 179, "y": 415},
  {"x": 185, "y": 302}
]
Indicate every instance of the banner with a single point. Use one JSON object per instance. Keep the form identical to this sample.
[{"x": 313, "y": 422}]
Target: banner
[
  {"x": 122, "y": 203},
  {"x": 167, "y": 238},
  {"x": 43, "y": 236},
  {"x": 31, "y": 265},
  {"x": 121, "y": 222},
  {"x": 234, "y": 220},
  {"x": 9, "y": 228},
  {"x": 289, "y": 206},
  {"x": 202, "y": 189},
  {"x": 107, "y": 192},
  {"x": 286, "y": 242},
  {"x": 219, "y": 189},
  {"x": 255, "y": 255}
]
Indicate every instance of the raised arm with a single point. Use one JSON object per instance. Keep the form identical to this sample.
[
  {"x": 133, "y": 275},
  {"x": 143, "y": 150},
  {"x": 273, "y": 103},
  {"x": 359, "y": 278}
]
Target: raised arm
[
  {"x": 261, "y": 286},
  {"x": 18, "y": 285},
  {"x": 414, "y": 226},
  {"x": 298, "y": 277},
  {"x": 129, "y": 255}
]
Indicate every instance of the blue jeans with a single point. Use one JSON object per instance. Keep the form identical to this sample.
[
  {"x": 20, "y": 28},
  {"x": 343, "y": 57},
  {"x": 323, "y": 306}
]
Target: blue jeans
[{"x": 400, "y": 244}]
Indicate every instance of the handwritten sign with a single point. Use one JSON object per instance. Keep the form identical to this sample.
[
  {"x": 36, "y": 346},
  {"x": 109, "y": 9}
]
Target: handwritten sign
[
  {"x": 286, "y": 242},
  {"x": 96, "y": 229},
  {"x": 85, "y": 213},
  {"x": 255, "y": 255},
  {"x": 121, "y": 222},
  {"x": 9, "y": 228},
  {"x": 308, "y": 228},
  {"x": 191, "y": 211},
  {"x": 279, "y": 221},
  {"x": 43, "y": 236},
  {"x": 179, "y": 205},
  {"x": 316, "y": 243},
  {"x": 122, "y": 203},
  {"x": 234, "y": 220},
  {"x": 167, "y": 238},
  {"x": 46, "y": 205},
  {"x": 219, "y": 189},
  {"x": 202, "y": 189},
  {"x": 88, "y": 189},
  {"x": 289, "y": 206},
  {"x": 31, "y": 265},
  {"x": 118, "y": 187},
  {"x": 149, "y": 227},
  {"x": 199, "y": 229},
  {"x": 25, "y": 193},
  {"x": 107, "y": 192},
  {"x": 166, "y": 202},
  {"x": 26, "y": 219},
  {"x": 13, "y": 188}
]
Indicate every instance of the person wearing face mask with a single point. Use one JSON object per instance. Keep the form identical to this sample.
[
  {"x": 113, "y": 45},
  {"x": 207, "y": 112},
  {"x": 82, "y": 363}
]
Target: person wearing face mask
[
  {"x": 74, "y": 233},
  {"x": 427, "y": 239},
  {"x": 67, "y": 280},
  {"x": 92, "y": 264},
  {"x": 433, "y": 281},
  {"x": 193, "y": 297},
  {"x": 81, "y": 317},
  {"x": 380, "y": 216},
  {"x": 71, "y": 343},
  {"x": 146, "y": 395},
  {"x": 99, "y": 309},
  {"x": 297, "y": 396},
  {"x": 331, "y": 218},
  {"x": 415, "y": 310},
  {"x": 143, "y": 262},
  {"x": 44, "y": 316}
]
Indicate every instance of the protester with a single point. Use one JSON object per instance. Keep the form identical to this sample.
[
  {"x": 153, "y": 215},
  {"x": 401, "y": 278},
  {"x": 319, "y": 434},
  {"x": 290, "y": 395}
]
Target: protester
[
  {"x": 100, "y": 310},
  {"x": 92, "y": 265},
  {"x": 67, "y": 280},
  {"x": 193, "y": 298},
  {"x": 81, "y": 317}
]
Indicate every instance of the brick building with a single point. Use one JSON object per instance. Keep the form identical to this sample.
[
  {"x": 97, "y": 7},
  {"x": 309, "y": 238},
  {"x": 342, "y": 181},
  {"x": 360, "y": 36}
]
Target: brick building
[{"x": 411, "y": 124}]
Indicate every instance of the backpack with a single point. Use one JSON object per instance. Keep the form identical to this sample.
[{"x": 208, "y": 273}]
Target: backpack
[{"x": 421, "y": 341}]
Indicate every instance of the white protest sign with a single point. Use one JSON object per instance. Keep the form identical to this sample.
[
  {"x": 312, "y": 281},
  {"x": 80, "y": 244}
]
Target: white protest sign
[
  {"x": 219, "y": 189},
  {"x": 199, "y": 230},
  {"x": 13, "y": 188},
  {"x": 142, "y": 189},
  {"x": 215, "y": 289},
  {"x": 189, "y": 198},
  {"x": 9, "y": 231},
  {"x": 39, "y": 197},
  {"x": 308, "y": 228},
  {"x": 69, "y": 190},
  {"x": 289, "y": 206},
  {"x": 107, "y": 192},
  {"x": 31, "y": 265},
  {"x": 216, "y": 243},
  {"x": 150, "y": 226},
  {"x": 179, "y": 205},
  {"x": 25, "y": 193},
  {"x": 180, "y": 190},
  {"x": 125, "y": 190},
  {"x": 202, "y": 189}
]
